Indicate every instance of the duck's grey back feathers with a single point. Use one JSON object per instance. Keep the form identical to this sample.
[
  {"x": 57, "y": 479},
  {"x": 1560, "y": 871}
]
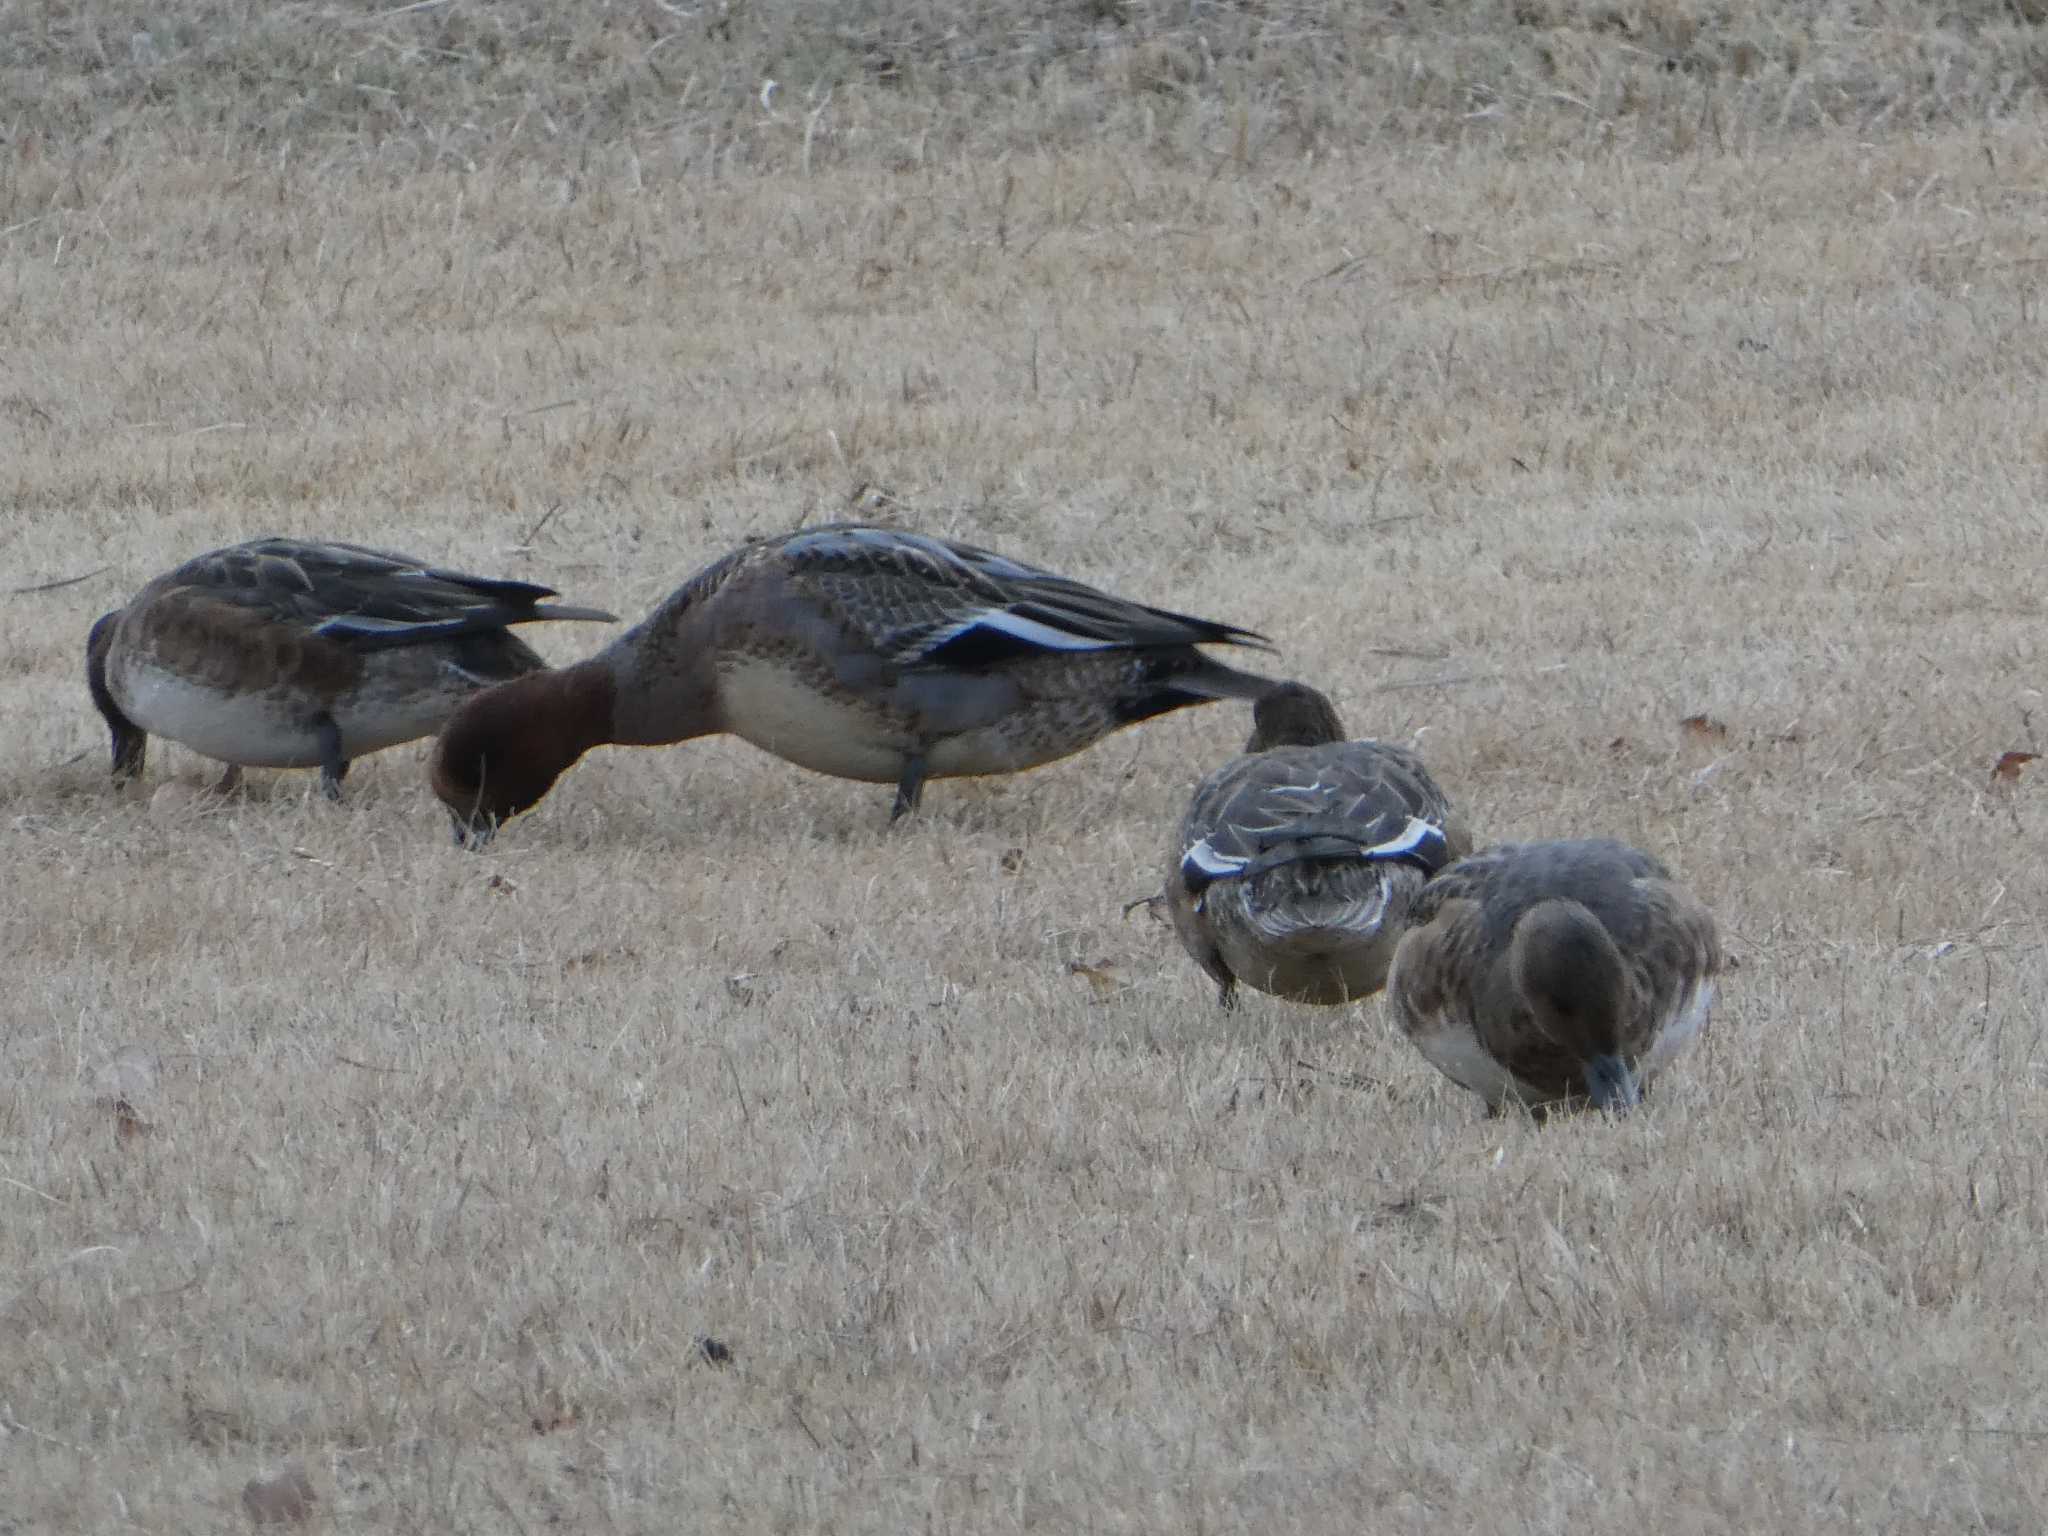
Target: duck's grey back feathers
[
  {"x": 926, "y": 601},
  {"x": 366, "y": 599},
  {"x": 1294, "y": 867}
]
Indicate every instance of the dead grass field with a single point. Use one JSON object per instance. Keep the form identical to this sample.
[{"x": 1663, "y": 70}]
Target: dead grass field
[{"x": 1529, "y": 427}]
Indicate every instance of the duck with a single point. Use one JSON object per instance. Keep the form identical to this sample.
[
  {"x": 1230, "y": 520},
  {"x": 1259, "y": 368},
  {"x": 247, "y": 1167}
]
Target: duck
[
  {"x": 1555, "y": 975},
  {"x": 856, "y": 649},
  {"x": 1295, "y": 864},
  {"x": 296, "y": 653}
]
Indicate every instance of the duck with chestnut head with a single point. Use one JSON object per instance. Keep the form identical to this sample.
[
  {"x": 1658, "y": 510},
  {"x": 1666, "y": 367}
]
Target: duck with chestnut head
[{"x": 852, "y": 649}]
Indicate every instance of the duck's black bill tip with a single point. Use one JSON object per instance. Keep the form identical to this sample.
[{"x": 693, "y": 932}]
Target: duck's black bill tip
[{"x": 1612, "y": 1086}]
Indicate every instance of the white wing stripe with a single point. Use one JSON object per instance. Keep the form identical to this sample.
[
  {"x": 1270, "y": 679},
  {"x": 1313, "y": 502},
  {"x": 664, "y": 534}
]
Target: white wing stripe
[
  {"x": 1413, "y": 838},
  {"x": 1207, "y": 861},
  {"x": 1032, "y": 632}
]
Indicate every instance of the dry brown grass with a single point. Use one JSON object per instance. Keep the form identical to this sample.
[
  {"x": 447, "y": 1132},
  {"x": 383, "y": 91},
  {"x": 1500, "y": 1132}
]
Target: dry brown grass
[{"x": 324, "y": 1145}]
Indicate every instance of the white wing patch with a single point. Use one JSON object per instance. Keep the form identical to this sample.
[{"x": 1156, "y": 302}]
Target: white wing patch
[
  {"x": 1415, "y": 837},
  {"x": 1202, "y": 859},
  {"x": 1418, "y": 836},
  {"x": 363, "y": 624},
  {"x": 1031, "y": 631}
]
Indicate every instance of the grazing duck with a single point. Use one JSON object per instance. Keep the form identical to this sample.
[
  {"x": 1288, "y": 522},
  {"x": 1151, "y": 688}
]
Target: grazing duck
[
  {"x": 1296, "y": 863},
  {"x": 281, "y": 653},
  {"x": 1555, "y": 974},
  {"x": 852, "y": 649}
]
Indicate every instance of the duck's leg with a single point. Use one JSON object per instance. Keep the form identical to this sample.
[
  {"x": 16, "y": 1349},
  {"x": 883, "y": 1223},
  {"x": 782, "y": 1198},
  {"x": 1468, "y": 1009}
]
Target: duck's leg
[
  {"x": 333, "y": 766},
  {"x": 909, "y": 787},
  {"x": 131, "y": 747},
  {"x": 1222, "y": 975}
]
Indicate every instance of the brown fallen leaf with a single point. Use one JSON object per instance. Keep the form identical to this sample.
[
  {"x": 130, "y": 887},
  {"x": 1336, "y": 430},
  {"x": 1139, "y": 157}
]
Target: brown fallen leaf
[
  {"x": 286, "y": 1499},
  {"x": 2007, "y": 769},
  {"x": 128, "y": 1125},
  {"x": 1704, "y": 728},
  {"x": 1104, "y": 982}
]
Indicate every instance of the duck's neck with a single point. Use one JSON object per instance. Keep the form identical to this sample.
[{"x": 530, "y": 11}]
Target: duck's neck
[
  {"x": 572, "y": 707},
  {"x": 645, "y": 702}
]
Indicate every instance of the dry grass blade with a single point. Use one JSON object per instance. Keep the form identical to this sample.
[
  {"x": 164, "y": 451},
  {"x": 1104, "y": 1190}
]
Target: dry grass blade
[{"x": 1538, "y": 373}]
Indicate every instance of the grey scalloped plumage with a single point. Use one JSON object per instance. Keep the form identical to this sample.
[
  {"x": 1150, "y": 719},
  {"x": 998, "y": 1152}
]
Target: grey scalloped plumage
[
  {"x": 293, "y": 653},
  {"x": 853, "y": 649},
  {"x": 1294, "y": 866},
  {"x": 1555, "y": 974}
]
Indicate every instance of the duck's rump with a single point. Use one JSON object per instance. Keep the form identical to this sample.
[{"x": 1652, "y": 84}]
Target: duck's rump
[{"x": 1318, "y": 931}]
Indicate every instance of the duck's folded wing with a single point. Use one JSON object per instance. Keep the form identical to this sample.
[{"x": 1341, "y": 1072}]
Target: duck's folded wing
[
  {"x": 1313, "y": 803},
  {"x": 928, "y": 601},
  {"x": 369, "y": 632},
  {"x": 369, "y": 599}
]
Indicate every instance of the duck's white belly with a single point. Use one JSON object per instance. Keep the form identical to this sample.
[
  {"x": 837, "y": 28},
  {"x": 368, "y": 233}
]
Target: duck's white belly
[
  {"x": 1679, "y": 1031},
  {"x": 273, "y": 728},
  {"x": 779, "y": 712},
  {"x": 870, "y": 739},
  {"x": 1454, "y": 1050}
]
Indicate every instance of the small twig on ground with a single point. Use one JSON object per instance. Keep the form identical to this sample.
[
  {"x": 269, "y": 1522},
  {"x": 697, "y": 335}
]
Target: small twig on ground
[
  {"x": 1457, "y": 679},
  {"x": 534, "y": 532},
  {"x": 797, "y": 1413},
  {"x": 1407, "y": 655},
  {"x": 62, "y": 581}
]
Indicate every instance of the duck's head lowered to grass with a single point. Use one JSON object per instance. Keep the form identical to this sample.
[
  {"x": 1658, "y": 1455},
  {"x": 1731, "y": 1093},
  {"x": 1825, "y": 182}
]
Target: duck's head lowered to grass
[
  {"x": 1555, "y": 974},
  {"x": 502, "y": 752},
  {"x": 865, "y": 652}
]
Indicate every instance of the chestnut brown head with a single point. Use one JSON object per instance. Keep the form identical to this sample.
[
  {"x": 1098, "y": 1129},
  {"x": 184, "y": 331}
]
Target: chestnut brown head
[{"x": 501, "y": 752}]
